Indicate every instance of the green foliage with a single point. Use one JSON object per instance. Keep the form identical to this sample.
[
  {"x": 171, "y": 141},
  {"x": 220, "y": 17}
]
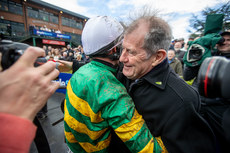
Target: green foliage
[{"x": 197, "y": 22}]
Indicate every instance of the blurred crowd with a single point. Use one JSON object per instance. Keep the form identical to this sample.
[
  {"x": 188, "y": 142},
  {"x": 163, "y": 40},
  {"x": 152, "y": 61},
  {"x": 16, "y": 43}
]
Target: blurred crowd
[
  {"x": 65, "y": 53},
  {"x": 43, "y": 28}
]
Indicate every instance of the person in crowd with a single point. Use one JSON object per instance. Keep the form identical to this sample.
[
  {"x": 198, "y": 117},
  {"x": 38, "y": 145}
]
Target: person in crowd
[
  {"x": 97, "y": 103},
  {"x": 179, "y": 52},
  {"x": 191, "y": 39},
  {"x": 48, "y": 55},
  {"x": 9, "y": 29},
  {"x": 70, "y": 56},
  {"x": 172, "y": 44},
  {"x": 168, "y": 105},
  {"x": 20, "y": 99},
  {"x": 31, "y": 29},
  {"x": 75, "y": 50},
  {"x": 58, "y": 31},
  {"x": 45, "y": 49},
  {"x": 57, "y": 54},
  {"x": 78, "y": 58},
  {"x": 224, "y": 48},
  {"x": 181, "y": 40},
  {"x": 174, "y": 63},
  {"x": 51, "y": 59},
  {"x": 64, "y": 56},
  {"x": 63, "y": 49},
  {"x": 69, "y": 50},
  {"x": 49, "y": 48},
  {"x": 83, "y": 56}
]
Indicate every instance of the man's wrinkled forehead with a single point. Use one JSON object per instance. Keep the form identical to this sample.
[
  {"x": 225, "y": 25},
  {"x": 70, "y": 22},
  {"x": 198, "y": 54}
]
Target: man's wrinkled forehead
[
  {"x": 138, "y": 34},
  {"x": 131, "y": 42}
]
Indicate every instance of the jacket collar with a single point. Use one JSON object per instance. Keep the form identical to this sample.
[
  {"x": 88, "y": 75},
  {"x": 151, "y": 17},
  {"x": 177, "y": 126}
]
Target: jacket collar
[
  {"x": 158, "y": 75},
  {"x": 104, "y": 64}
]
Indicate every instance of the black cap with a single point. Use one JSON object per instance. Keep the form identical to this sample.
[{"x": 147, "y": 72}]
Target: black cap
[{"x": 225, "y": 33}]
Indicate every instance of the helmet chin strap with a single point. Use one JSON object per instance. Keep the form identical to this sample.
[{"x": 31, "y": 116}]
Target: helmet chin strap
[{"x": 113, "y": 54}]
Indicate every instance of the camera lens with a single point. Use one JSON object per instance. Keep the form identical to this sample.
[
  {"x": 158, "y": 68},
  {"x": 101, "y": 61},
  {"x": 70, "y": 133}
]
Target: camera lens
[
  {"x": 214, "y": 77},
  {"x": 195, "y": 52}
]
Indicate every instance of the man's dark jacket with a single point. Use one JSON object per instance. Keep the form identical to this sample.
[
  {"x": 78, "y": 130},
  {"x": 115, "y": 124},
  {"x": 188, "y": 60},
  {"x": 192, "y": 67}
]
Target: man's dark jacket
[{"x": 170, "y": 108}]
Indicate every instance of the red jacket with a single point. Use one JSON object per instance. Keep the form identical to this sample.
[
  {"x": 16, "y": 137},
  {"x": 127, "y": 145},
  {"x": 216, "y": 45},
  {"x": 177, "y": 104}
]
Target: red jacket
[{"x": 16, "y": 134}]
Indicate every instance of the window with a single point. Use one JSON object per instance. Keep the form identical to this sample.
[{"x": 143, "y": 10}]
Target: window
[
  {"x": 17, "y": 29},
  {"x": 53, "y": 18},
  {"x": 11, "y": 7},
  {"x": 15, "y": 8},
  {"x": 4, "y": 5},
  {"x": 3, "y": 27},
  {"x": 71, "y": 23},
  {"x": 65, "y": 21},
  {"x": 79, "y": 25},
  {"x": 33, "y": 13},
  {"x": 44, "y": 15}
]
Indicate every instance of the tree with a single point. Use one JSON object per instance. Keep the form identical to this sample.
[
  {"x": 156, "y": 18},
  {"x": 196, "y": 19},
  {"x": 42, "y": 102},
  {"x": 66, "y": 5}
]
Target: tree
[{"x": 198, "y": 23}]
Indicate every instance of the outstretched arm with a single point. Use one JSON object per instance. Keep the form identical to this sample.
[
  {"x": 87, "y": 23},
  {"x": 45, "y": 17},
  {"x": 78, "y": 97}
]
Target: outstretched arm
[{"x": 24, "y": 89}]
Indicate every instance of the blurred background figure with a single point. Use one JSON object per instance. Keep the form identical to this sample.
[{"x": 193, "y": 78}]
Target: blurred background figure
[
  {"x": 179, "y": 52},
  {"x": 174, "y": 63}
]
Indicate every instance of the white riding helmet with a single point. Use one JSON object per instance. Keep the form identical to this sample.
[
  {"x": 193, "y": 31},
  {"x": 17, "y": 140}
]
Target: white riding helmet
[{"x": 100, "y": 34}]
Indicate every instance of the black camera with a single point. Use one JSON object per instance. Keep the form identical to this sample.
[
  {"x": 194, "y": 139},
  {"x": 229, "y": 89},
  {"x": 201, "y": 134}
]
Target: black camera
[
  {"x": 214, "y": 77},
  {"x": 11, "y": 51}
]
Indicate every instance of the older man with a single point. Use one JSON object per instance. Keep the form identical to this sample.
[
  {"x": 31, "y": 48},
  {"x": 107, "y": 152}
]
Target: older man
[
  {"x": 169, "y": 106},
  {"x": 179, "y": 52},
  {"x": 174, "y": 63}
]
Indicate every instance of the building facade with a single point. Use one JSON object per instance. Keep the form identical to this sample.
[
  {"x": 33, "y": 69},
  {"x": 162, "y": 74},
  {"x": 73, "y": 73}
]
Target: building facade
[{"x": 37, "y": 23}]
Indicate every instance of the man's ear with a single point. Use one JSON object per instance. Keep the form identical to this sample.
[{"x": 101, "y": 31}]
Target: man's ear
[
  {"x": 159, "y": 57},
  {"x": 114, "y": 50}
]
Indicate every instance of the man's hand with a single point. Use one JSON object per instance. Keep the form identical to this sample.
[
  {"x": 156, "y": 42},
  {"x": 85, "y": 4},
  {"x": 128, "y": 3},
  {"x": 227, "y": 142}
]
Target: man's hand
[
  {"x": 65, "y": 66},
  {"x": 24, "y": 89}
]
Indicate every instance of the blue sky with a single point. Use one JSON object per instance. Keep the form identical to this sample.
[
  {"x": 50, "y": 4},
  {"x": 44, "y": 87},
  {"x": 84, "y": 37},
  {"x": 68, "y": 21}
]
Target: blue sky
[{"x": 176, "y": 12}]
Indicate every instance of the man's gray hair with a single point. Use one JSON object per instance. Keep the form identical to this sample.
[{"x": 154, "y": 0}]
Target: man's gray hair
[{"x": 159, "y": 35}]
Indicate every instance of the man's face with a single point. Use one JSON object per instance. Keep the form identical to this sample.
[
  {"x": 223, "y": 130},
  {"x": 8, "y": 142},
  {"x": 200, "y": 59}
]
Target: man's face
[
  {"x": 133, "y": 56},
  {"x": 49, "y": 48},
  {"x": 225, "y": 48},
  {"x": 177, "y": 46},
  {"x": 171, "y": 54},
  {"x": 64, "y": 54}
]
